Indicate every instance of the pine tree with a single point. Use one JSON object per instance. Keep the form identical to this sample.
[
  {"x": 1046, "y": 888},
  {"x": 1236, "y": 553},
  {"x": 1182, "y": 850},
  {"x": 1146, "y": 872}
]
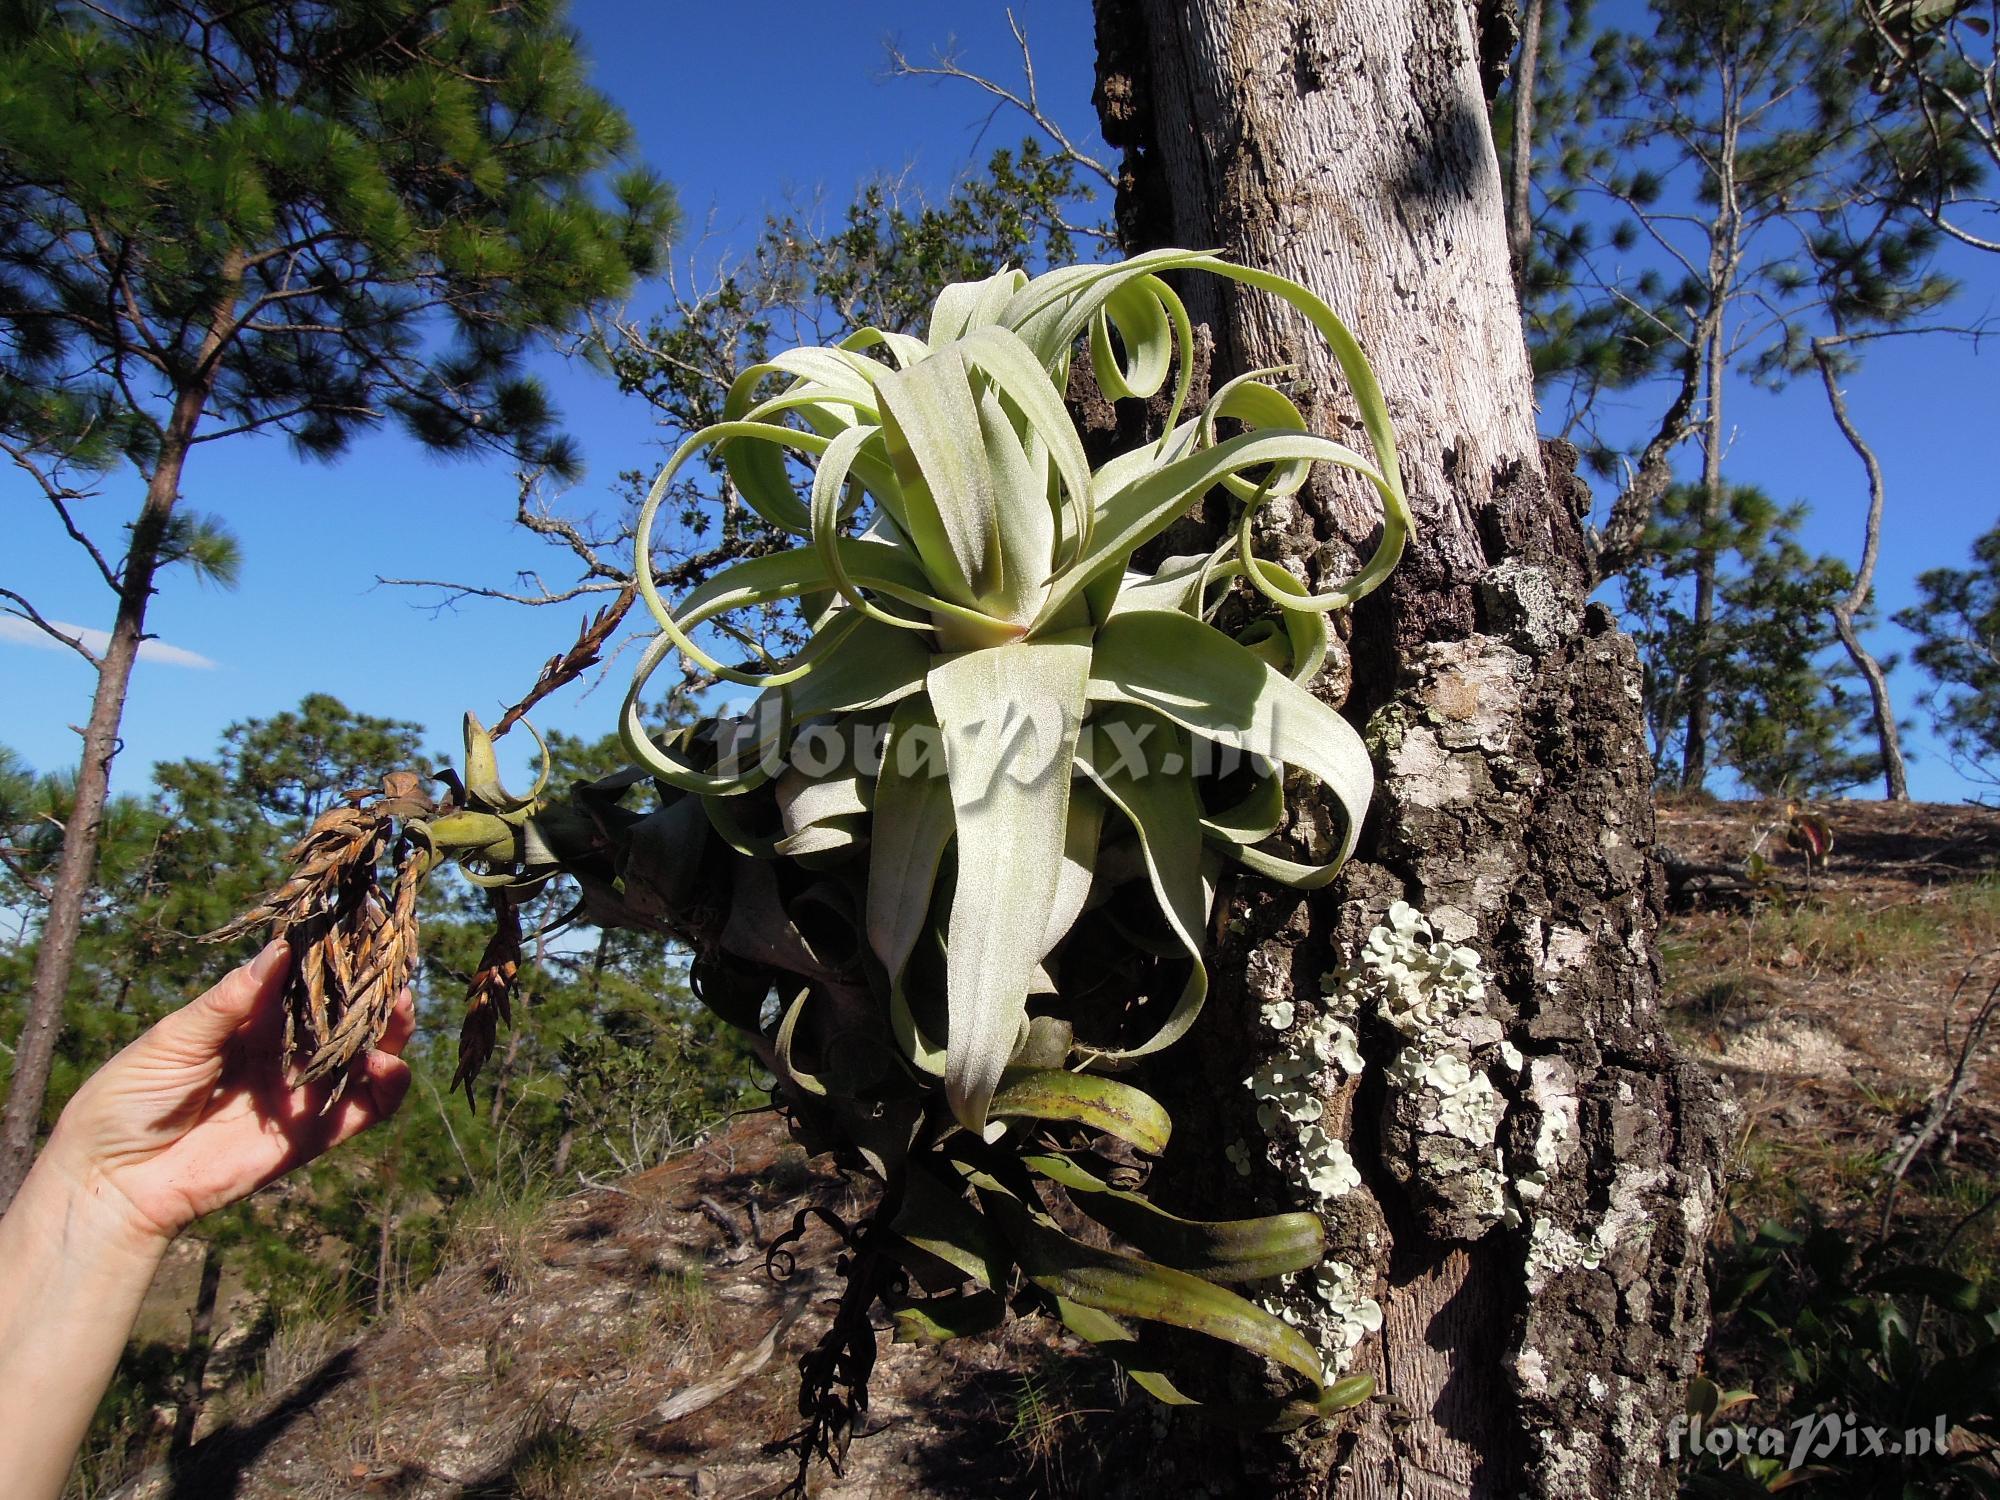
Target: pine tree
[
  {"x": 1938, "y": 60},
  {"x": 1957, "y": 622},
  {"x": 297, "y": 218},
  {"x": 1786, "y": 720},
  {"x": 1713, "y": 213}
]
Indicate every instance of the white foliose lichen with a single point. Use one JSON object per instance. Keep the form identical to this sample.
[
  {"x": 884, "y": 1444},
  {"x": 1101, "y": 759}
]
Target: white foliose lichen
[
  {"x": 1329, "y": 1303},
  {"x": 1433, "y": 992},
  {"x": 1316, "y": 1057},
  {"x": 1418, "y": 982}
]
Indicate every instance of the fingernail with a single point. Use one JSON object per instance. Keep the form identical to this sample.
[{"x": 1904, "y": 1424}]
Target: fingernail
[{"x": 271, "y": 960}]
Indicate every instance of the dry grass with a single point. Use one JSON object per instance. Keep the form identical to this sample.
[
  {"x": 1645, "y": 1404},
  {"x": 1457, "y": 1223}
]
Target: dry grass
[
  {"x": 540, "y": 1360},
  {"x": 1831, "y": 1011}
]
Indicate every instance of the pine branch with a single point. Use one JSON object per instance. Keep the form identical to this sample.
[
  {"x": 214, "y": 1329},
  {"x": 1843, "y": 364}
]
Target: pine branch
[{"x": 25, "y": 611}]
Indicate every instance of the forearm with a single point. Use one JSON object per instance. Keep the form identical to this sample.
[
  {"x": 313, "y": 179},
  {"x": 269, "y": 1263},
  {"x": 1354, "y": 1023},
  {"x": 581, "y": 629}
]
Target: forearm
[{"x": 73, "y": 1271}]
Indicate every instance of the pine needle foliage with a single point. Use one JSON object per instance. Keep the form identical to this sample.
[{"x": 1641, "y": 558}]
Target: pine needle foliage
[{"x": 272, "y": 206}]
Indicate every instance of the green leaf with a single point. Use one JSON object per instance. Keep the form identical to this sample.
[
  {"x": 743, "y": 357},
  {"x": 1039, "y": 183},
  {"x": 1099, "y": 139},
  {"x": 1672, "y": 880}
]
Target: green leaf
[
  {"x": 1009, "y": 717},
  {"x": 1141, "y": 764},
  {"x": 1084, "y": 1099},
  {"x": 936, "y": 1219},
  {"x": 832, "y": 502},
  {"x": 1220, "y": 1250},
  {"x": 1000, "y": 356},
  {"x": 1124, "y": 1286},
  {"x": 1180, "y": 667},
  {"x": 1025, "y": 527},
  {"x": 1132, "y": 516},
  {"x": 938, "y": 1320},
  {"x": 1253, "y": 816},
  {"x": 1134, "y": 308},
  {"x": 787, "y": 1035},
  {"x": 852, "y": 663},
  {"x": 1115, "y": 1340},
  {"x": 930, "y": 420},
  {"x": 1079, "y": 866},
  {"x": 966, "y": 305},
  {"x": 913, "y": 823}
]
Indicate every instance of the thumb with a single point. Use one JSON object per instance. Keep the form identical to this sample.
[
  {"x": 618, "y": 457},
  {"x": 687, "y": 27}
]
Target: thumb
[{"x": 205, "y": 1023}]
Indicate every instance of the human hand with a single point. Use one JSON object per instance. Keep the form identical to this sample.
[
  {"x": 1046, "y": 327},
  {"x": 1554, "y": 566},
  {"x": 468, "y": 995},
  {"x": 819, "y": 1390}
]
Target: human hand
[{"x": 197, "y": 1112}]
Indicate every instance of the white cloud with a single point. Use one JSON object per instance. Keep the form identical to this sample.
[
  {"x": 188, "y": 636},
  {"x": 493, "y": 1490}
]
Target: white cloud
[{"x": 20, "y": 632}]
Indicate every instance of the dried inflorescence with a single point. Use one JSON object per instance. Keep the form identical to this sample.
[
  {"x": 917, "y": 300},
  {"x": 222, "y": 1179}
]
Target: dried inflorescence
[
  {"x": 353, "y": 943},
  {"x": 559, "y": 671},
  {"x": 489, "y": 998}
]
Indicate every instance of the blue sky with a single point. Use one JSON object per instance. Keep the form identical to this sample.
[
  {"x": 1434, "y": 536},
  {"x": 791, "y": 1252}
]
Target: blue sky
[{"x": 744, "y": 107}]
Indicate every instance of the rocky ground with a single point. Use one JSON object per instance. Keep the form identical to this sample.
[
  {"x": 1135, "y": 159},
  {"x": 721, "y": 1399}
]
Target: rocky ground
[{"x": 633, "y": 1341}]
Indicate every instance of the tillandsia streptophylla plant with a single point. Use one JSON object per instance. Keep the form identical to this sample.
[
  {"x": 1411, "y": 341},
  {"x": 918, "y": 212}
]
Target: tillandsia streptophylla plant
[
  {"x": 997, "y": 721},
  {"x": 954, "y": 868},
  {"x": 990, "y": 600}
]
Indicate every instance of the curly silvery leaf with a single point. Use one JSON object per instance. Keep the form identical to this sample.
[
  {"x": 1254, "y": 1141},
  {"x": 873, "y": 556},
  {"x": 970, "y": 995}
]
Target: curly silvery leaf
[{"x": 968, "y": 580}]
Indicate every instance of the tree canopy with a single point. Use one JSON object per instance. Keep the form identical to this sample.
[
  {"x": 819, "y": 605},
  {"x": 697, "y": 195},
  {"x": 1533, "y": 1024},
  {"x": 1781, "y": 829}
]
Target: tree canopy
[{"x": 271, "y": 202}]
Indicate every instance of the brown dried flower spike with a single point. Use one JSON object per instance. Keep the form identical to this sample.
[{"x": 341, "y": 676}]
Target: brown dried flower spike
[
  {"x": 489, "y": 998},
  {"x": 354, "y": 946}
]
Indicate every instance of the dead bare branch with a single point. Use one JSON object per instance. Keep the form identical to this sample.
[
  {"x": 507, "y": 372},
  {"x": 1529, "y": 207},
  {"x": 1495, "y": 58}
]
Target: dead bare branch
[
  {"x": 23, "y": 610},
  {"x": 945, "y": 64},
  {"x": 1948, "y": 1097}
]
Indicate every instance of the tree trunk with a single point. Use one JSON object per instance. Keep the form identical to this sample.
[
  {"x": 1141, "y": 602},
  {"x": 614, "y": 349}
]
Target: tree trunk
[
  {"x": 1895, "y": 776},
  {"x": 1725, "y": 254},
  {"x": 1701, "y": 676},
  {"x": 201, "y": 1339},
  {"x": 1520, "y": 188},
  {"x": 1344, "y": 143},
  {"x": 55, "y": 953}
]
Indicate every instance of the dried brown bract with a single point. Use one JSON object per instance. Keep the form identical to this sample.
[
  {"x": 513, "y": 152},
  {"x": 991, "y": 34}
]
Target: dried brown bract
[
  {"x": 573, "y": 663},
  {"x": 489, "y": 998},
  {"x": 350, "y": 964},
  {"x": 344, "y": 839},
  {"x": 354, "y": 946}
]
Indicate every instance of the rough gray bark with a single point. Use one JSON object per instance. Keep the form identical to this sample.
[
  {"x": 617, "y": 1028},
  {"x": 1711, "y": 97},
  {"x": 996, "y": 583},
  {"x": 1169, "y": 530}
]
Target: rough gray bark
[{"x": 1344, "y": 143}]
